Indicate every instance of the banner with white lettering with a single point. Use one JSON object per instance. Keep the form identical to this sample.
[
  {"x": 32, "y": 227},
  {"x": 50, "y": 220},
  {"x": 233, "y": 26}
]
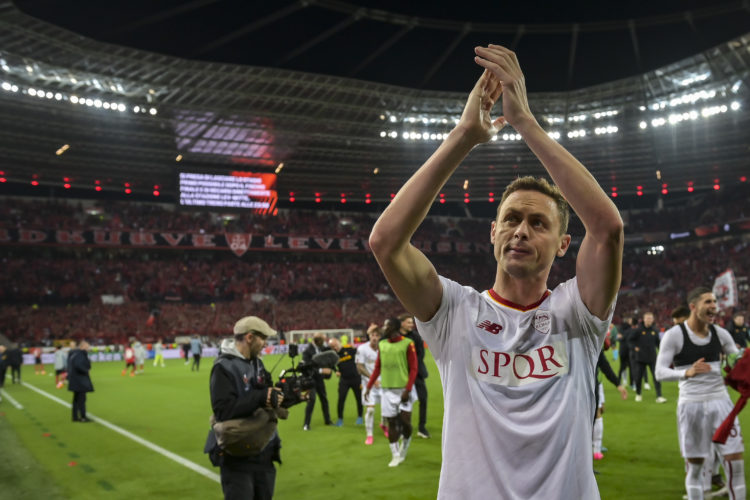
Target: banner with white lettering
[
  {"x": 238, "y": 243},
  {"x": 725, "y": 289}
]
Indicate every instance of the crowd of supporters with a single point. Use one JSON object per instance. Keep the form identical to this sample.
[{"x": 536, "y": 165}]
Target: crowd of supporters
[{"x": 52, "y": 292}]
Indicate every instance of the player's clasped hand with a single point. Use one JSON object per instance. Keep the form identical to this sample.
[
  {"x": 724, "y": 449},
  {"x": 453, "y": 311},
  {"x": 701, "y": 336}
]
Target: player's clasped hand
[{"x": 503, "y": 65}]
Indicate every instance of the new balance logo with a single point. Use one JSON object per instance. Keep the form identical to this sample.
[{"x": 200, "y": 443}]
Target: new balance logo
[{"x": 491, "y": 327}]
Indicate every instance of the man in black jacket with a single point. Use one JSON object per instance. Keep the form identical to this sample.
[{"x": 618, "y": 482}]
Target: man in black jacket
[
  {"x": 644, "y": 340},
  {"x": 318, "y": 345},
  {"x": 15, "y": 360},
  {"x": 349, "y": 379},
  {"x": 79, "y": 382},
  {"x": 409, "y": 331},
  {"x": 738, "y": 329},
  {"x": 239, "y": 386}
]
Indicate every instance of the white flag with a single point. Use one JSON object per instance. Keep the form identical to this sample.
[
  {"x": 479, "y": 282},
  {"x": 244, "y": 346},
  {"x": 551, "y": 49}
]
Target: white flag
[{"x": 725, "y": 289}]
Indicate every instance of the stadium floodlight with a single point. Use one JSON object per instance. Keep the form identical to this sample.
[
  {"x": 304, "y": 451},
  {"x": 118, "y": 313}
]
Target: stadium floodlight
[
  {"x": 392, "y": 119},
  {"x": 31, "y": 91},
  {"x": 151, "y": 111},
  {"x": 405, "y": 135},
  {"x": 382, "y": 133},
  {"x": 735, "y": 105},
  {"x": 643, "y": 125}
]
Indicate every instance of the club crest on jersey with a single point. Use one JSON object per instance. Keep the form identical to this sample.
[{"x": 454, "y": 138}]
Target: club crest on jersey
[
  {"x": 542, "y": 321},
  {"x": 246, "y": 381},
  {"x": 491, "y": 327},
  {"x": 520, "y": 368}
]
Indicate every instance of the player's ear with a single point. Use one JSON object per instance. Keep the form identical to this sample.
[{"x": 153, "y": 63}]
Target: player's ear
[{"x": 564, "y": 245}]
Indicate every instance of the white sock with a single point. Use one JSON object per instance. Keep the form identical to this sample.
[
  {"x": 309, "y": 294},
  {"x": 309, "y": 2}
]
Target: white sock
[
  {"x": 369, "y": 419},
  {"x": 405, "y": 447},
  {"x": 708, "y": 466},
  {"x": 394, "y": 448},
  {"x": 735, "y": 469},
  {"x": 598, "y": 433},
  {"x": 693, "y": 483}
]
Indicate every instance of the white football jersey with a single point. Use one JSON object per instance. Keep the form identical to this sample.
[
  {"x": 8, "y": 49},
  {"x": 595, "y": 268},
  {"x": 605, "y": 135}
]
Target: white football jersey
[
  {"x": 519, "y": 385},
  {"x": 704, "y": 386},
  {"x": 367, "y": 356}
]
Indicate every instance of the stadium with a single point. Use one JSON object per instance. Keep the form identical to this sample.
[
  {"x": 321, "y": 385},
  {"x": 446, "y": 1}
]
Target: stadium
[{"x": 168, "y": 168}]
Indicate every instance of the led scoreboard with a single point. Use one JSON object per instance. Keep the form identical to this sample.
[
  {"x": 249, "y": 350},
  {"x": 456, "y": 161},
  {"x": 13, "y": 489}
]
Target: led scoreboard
[{"x": 250, "y": 190}]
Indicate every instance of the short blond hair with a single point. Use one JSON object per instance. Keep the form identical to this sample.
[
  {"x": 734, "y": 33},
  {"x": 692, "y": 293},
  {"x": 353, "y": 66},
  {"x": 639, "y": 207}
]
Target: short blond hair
[{"x": 541, "y": 185}]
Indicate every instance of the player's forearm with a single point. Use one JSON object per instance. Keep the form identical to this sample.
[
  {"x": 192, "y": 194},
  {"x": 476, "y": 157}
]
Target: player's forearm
[
  {"x": 400, "y": 220},
  {"x": 592, "y": 205},
  {"x": 664, "y": 373}
]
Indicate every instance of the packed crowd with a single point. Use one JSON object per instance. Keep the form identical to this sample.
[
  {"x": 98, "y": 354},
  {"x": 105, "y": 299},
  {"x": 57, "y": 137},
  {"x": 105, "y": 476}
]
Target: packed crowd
[
  {"x": 49, "y": 293},
  {"x": 46, "y": 297}
]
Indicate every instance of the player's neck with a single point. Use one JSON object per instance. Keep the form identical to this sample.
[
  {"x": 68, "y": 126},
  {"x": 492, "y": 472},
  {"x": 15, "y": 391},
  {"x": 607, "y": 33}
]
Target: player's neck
[
  {"x": 698, "y": 327},
  {"x": 522, "y": 291}
]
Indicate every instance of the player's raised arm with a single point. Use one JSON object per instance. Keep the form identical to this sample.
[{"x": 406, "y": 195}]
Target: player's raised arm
[
  {"x": 599, "y": 263},
  {"x": 410, "y": 274}
]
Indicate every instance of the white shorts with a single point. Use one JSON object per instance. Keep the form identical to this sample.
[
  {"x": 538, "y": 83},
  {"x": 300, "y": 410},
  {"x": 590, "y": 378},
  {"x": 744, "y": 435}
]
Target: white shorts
[
  {"x": 392, "y": 405},
  {"x": 696, "y": 424},
  {"x": 375, "y": 395}
]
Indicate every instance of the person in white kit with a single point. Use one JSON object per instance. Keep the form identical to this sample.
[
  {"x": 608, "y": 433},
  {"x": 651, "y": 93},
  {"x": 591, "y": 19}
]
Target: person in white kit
[
  {"x": 367, "y": 355},
  {"x": 695, "y": 348},
  {"x": 516, "y": 361}
]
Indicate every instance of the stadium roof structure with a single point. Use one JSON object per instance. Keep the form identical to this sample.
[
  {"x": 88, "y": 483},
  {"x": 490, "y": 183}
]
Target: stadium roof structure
[{"x": 79, "y": 103}]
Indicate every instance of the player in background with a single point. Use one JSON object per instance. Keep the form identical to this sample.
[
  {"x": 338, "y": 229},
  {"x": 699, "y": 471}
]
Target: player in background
[
  {"x": 61, "y": 366},
  {"x": 129, "y": 355},
  {"x": 397, "y": 367},
  {"x": 38, "y": 365},
  {"x": 159, "y": 353},
  {"x": 695, "y": 348},
  {"x": 367, "y": 355}
]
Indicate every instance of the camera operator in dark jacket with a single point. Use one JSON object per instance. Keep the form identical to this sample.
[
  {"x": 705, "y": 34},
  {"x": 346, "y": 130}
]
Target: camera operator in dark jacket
[
  {"x": 240, "y": 385},
  {"x": 79, "y": 382},
  {"x": 318, "y": 345},
  {"x": 644, "y": 340}
]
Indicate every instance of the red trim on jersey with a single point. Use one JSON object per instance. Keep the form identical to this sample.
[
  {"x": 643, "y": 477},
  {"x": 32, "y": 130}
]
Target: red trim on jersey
[{"x": 513, "y": 305}]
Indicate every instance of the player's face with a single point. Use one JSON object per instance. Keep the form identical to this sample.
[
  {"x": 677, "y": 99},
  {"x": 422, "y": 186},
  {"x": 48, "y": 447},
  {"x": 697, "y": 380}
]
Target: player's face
[
  {"x": 705, "y": 308},
  {"x": 374, "y": 338},
  {"x": 526, "y": 234},
  {"x": 407, "y": 325},
  {"x": 739, "y": 320},
  {"x": 648, "y": 320}
]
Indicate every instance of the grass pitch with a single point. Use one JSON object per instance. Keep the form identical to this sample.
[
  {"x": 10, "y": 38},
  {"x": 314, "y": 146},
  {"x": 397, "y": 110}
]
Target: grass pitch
[{"x": 45, "y": 455}]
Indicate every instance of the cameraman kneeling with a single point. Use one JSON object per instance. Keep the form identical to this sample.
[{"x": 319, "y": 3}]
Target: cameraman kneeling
[{"x": 240, "y": 385}]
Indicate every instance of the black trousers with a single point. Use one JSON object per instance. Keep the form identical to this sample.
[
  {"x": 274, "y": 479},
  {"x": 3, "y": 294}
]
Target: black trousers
[
  {"x": 244, "y": 484},
  {"x": 640, "y": 375},
  {"x": 3, "y": 369},
  {"x": 196, "y": 362},
  {"x": 421, "y": 388},
  {"x": 625, "y": 366},
  {"x": 15, "y": 373},
  {"x": 355, "y": 384},
  {"x": 318, "y": 390},
  {"x": 79, "y": 405}
]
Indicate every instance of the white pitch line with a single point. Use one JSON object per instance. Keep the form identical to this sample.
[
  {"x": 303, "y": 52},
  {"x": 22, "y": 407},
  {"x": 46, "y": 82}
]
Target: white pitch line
[
  {"x": 12, "y": 401},
  {"x": 148, "y": 444}
]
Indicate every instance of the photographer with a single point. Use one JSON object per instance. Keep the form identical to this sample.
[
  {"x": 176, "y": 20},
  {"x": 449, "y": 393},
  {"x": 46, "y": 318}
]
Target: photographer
[
  {"x": 318, "y": 345},
  {"x": 239, "y": 386}
]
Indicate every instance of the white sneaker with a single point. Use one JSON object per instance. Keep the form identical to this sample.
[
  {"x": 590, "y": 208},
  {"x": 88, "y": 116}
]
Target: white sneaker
[
  {"x": 638, "y": 398},
  {"x": 395, "y": 461},
  {"x": 646, "y": 386},
  {"x": 661, "y": 400}
]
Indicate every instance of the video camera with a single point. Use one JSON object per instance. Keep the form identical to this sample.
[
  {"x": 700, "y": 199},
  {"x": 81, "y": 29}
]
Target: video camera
[{"x": 294, "y": 382}]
